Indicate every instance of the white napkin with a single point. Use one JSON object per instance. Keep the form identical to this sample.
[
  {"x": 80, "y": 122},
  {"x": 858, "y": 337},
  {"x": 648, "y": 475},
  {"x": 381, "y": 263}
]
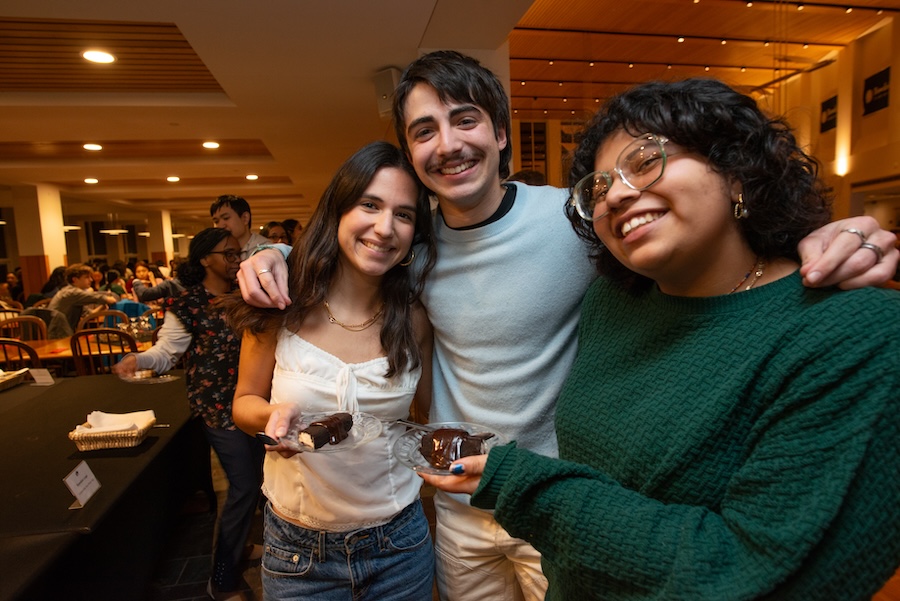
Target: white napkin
[{"x": 98, "y": 421}]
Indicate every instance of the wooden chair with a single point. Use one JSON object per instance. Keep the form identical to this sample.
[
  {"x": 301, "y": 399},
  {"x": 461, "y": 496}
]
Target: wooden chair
[
  {"x": 15, "y": 355},
  {"x": 103, "y": 318},
  {"x": 155, "y": 316},
  {"x": 24, "y": 327},
  {"x": 96, "y": 350},
  {"x": 9, "y": 313}
]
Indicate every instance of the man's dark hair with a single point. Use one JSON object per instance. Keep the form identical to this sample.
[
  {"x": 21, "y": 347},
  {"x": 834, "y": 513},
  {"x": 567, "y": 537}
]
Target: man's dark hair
[{"x": 237, "y": 203}]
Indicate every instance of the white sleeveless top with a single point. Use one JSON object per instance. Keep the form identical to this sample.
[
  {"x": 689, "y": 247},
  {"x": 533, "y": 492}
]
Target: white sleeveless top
[{"x": 360, "y": 488}]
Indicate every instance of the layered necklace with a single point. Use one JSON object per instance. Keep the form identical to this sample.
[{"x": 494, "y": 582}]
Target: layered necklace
[
  {"x": 353, "y": 327},
  {"x": 756, "y": 269}
]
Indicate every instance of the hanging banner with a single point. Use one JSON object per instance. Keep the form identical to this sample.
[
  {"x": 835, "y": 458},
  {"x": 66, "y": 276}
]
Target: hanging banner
[
  {"x": 828, "y": 117},
  {"x": 876, "y": 91}
]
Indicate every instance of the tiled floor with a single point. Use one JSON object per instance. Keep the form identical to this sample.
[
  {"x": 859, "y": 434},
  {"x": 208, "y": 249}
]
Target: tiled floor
[{"x": 184, "y": 570}]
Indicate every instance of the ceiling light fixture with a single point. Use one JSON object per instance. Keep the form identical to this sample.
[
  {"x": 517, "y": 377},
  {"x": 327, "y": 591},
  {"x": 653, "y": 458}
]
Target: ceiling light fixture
[
  {"x": 252, "y": 177},
  {"x": 144, "y": 234},
  {"x": 173, "y": 179},
  {"x": 98, "y": 56},
  {"x": 92, "y": 147},
  {"x": 91, "y": 180},
  {"x": 113, "y": 231},
  {"x": 681, "y": 40},
  {"x": 178, "y": 235},
  {"x": 71, "y": 228},
  {"x": 210, "y": 145},
  {"x": 800, "y": 7}
]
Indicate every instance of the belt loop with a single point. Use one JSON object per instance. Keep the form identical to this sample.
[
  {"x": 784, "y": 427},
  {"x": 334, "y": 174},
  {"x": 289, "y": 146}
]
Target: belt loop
[{"x": 321, "y": 536}]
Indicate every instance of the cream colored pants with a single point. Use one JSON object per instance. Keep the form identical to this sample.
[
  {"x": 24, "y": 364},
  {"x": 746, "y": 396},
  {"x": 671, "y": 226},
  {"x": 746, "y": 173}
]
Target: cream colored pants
[{"x": 478, "y": 561}]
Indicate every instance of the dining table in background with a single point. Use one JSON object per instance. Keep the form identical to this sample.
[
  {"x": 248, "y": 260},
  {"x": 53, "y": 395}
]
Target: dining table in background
[{"x": 108, "y": 549}]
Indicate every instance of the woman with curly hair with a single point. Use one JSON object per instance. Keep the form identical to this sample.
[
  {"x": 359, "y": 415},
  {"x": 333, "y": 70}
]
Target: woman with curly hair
[
  {"x": 725, "y": 432},
  {"x": 354, "y": 339}
]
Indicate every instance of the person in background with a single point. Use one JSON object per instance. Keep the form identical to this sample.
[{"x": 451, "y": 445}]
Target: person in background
[
  {"x": 16, "y": 290},
  {"x": 115, "y": 283},
  {"x": 355, "y": 339},
  {"x": 55, "y": 282},
  {"x": 78, "y": 298},
  {"x": 195, "y": 328},
  {"x": 165, "y": 288},
  {"x": 500, "y": 358},
  {"x": 275, "y": 233},
  {"x": 233, "y": 213},
  {"x": 293, "y": 228},
  {"x": 778, "y": 481}
]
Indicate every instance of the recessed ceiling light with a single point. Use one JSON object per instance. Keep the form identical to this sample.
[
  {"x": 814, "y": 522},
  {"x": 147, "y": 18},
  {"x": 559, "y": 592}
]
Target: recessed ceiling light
[
  {"x": 210, "y": 145},
  {"x": 173, "y": 179},
  {"x": 92, "y": 147},
  {"x": 98, "y": 56},
  {"x": 91, "y": 180},
  {"x": 252, "y": 176},
  {"x": 680, "y": 40}
]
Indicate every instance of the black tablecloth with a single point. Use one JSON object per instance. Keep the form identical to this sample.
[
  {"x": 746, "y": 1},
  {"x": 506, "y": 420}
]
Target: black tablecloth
[{"x": 137, "y": 485}]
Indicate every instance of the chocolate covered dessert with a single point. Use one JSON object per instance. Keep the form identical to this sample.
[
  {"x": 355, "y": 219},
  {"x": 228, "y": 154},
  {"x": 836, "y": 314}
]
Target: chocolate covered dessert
[
  {"x": 329, "y": 430},
  {"x": 443, "y": 446}
]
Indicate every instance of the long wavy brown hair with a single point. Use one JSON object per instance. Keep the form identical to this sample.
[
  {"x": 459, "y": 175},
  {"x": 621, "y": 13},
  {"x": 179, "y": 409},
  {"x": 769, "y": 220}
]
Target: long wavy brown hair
[{"x": 313, "y": 262}]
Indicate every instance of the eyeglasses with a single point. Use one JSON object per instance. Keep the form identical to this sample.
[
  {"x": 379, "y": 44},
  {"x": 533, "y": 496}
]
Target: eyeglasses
[
  {"x": 278, "y": 237},
  {"x": 639, "y": 166},
  {"x": 229, "y": 255}
]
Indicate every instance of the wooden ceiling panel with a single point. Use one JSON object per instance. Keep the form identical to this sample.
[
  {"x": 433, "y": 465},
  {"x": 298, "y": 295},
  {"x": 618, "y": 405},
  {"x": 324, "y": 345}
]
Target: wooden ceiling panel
[{"x": 44, "y": 55}]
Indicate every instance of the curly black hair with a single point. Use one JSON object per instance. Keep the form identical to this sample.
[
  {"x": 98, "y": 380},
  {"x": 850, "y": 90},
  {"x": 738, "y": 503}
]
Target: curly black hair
[{"x": 781, "y": 190}]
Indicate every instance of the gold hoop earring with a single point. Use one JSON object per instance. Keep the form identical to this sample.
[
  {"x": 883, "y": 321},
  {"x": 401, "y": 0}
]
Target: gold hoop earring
[
  {"x": 740, "y": 211},
  {"x": 408, "y": 262}
]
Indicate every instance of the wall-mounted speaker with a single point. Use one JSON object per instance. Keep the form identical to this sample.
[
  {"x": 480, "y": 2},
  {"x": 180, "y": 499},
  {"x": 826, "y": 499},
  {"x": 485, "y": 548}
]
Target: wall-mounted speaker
[{"x": 385, "y": 82}]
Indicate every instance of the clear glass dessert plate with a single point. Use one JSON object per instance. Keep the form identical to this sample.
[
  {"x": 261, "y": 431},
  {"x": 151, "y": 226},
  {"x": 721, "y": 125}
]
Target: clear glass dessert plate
[
  {"x": 365, "y": 429},
  {"x": 407, "y": 448},
  {"x": 152, "y": 379}
]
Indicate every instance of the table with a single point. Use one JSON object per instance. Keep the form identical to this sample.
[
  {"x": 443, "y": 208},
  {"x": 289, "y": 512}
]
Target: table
[
  {"x": 104, "y": 550},
  {"x": 60, "y": 348}
]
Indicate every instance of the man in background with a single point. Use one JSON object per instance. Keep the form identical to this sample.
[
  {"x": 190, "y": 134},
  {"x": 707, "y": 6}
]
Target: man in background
[{"x": 233, "y": 213}]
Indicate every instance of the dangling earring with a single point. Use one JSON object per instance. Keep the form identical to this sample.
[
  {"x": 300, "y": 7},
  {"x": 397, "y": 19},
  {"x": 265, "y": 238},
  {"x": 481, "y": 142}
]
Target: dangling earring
[
  {"x": 740, "y": 211},
  {"x": 408, "y": 262}
]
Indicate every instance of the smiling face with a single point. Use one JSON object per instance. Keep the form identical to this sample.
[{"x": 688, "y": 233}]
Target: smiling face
[
  {"x": 223, "y": 262},
  {"x": 377, "y": 232},
  {"x": 681, "y": 231},
  {"x": 455, "y": 153}
]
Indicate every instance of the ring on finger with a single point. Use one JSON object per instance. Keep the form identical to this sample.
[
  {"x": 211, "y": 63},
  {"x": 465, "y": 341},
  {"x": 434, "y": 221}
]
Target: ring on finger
[
  {"x": 879, "y": 254},
  {"x": 262, "y": 271},
  {"x": 860, "y": 233}
]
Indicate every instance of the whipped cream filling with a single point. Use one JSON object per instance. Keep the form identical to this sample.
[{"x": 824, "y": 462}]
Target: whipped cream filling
[{"x": 637, "y": 221}]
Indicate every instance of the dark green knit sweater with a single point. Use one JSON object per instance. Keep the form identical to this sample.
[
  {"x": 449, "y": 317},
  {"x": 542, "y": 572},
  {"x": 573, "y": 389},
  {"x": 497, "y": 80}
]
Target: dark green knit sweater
[{"x": 735, "y": 447}]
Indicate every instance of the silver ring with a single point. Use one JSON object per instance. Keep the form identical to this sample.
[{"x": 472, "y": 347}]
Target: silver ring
[
  {"x": 875, "y": 249},
  {"x": 262, "y": 271},
  {"x": 853, "y": 230}
]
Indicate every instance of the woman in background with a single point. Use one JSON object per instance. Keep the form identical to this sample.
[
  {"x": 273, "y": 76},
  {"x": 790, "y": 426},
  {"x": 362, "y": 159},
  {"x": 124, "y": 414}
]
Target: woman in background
[{"x": 196, "y": 328}]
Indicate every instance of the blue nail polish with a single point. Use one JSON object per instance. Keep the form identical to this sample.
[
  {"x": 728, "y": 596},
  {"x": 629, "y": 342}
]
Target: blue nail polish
[{"x": 457, "y": 469}]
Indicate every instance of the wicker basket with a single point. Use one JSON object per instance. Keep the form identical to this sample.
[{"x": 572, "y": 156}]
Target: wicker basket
[
  {"x": 87, "y": 441},
  {"x": 12, "y": 378}
]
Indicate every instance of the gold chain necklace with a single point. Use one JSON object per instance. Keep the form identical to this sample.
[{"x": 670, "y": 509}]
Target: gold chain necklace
[
  {"x": 350, "y": 327},
  {"x": 757, "y": 270}
]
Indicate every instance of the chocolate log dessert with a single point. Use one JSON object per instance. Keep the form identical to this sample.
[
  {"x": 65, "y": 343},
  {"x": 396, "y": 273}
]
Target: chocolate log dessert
[
  {"x": 329, "y": 430},
  {"x": 443, "y": 446}
]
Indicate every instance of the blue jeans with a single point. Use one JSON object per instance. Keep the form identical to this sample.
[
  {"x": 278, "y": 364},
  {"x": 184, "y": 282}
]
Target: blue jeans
[
  {"x": 241, "y": 457},
  {"x": 393, "y": 562}
]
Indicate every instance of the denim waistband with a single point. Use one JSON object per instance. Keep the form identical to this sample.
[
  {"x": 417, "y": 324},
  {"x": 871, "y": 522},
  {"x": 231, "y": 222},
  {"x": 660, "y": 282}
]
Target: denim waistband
[{"x": 346, "y": 541}]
